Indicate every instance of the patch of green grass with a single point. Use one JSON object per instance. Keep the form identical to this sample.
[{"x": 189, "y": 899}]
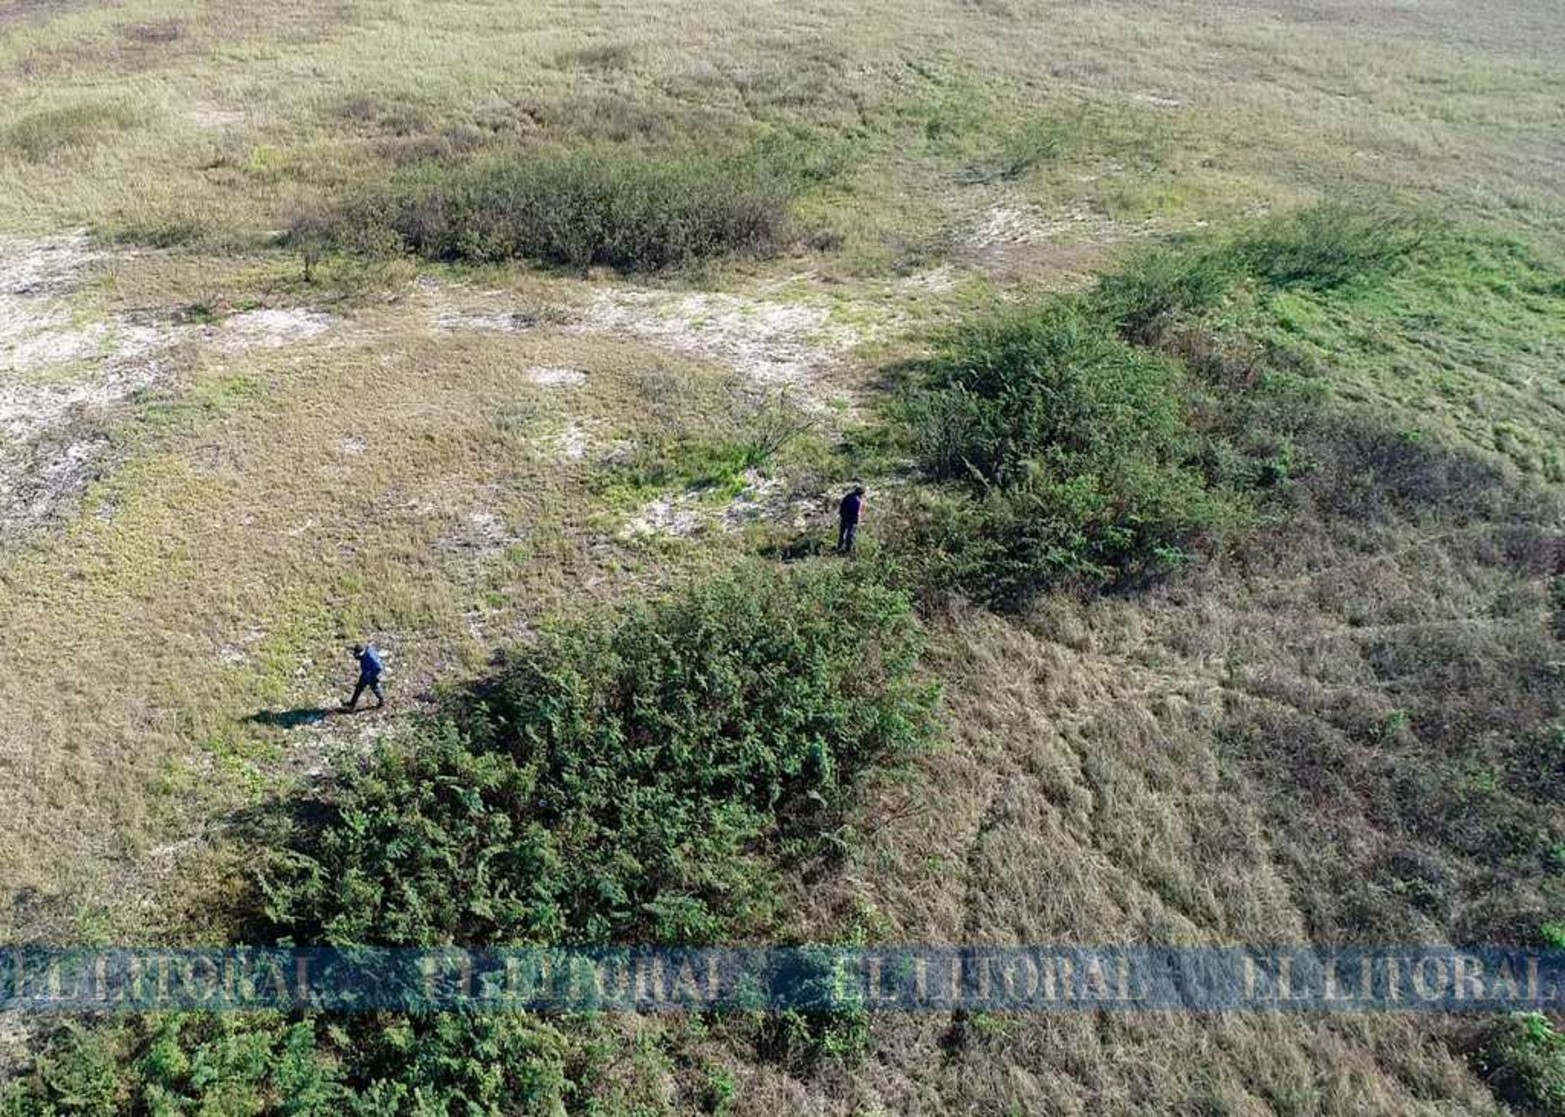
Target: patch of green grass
[
  {"x": 1466, "y": 335},
  {"x": 682, "y": 463},
  {"x": 1316, "y": 250},
  {"x": 48, "y": 132}
]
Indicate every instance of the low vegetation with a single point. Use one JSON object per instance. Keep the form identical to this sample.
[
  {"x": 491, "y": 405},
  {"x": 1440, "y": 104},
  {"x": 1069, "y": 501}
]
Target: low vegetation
[
  {"x": 48, "y": 132},
  {"x": 1104, "y": 439},
  {"x": 264, "y": 1063},
  {"x": 630, "y": 782},
  {"x": 1272, "y": 656},
  {"x": 1070, "y": 457},
  {"x": 1523, "y": 1058},
  {"x": 630, "y": 210},
  {"x": 639, "y": 780}
]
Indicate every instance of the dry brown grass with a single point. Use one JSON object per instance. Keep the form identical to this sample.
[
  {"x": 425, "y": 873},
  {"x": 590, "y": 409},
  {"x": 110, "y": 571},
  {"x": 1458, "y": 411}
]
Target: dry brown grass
[{"x": 1314, "y": 741}]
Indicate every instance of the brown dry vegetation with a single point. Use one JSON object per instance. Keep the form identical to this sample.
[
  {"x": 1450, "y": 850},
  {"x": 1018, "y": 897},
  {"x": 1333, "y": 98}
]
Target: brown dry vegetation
[{"x": 1332, "y": 733}]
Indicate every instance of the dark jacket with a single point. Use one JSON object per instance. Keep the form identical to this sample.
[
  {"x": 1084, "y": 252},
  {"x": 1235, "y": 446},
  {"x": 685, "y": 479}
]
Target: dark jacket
[
  {"x": 848, "y": 511},
  {"x": 370, "y": 665}
]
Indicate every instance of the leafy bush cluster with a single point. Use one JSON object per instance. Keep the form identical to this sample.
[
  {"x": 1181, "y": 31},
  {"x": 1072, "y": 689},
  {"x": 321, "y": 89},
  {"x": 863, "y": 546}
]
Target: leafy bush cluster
[
  {"x": 1069, "y": 453},
  {"x": 1102, "y": 439},
  {"x": 263, "y": 1063},
  {"x": 634, "y": 211},
  {"x": 1523, "y": 1059},
  {"x": 630, "y": 782}
]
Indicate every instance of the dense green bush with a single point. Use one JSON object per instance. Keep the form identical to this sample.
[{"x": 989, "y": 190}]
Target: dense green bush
[
  {"x": 625, "y": 781},
  {"x": 1102, "y": 439},
  {"x": 1523, "y": 1059},
  {"x": 628, "y": 210},
  {"x": 1163, "y": 284},
  {"x": 262, "y": 1063},
  {"x": 1042, "y": 392},
  {"x": 632, "y": 780},
  {"x": 1069, "y": 453},
  {"x": 179, "y": 1064}
]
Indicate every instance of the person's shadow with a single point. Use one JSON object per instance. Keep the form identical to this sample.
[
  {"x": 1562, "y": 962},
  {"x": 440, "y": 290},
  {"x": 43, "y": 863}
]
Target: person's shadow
[{"x": 292, "y": 719}]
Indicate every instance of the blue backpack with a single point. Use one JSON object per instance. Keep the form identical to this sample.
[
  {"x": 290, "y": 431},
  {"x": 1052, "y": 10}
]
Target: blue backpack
[{"x": 370, "y": 662}]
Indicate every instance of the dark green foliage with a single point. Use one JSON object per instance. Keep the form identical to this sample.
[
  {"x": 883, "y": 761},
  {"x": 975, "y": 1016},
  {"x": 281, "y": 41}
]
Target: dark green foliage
[
  {"x": 1166, "y": 283},
  {"x": 623, "y": 209},
  {"x": 635, "y": 780},
  {"x": 1071, "y": 452},
  {"x": 181, "y": 1064},
  {"x": 1105, "y": 439},
  {"x": 455, "y": 1063},
  {"x": 254, "y": 1064},
  {"x": 1523, "y": 1059},
  {"x": 624, "y": 781},
  {"x": 1046, "y": 391},
  {"x": 831, "y": 1024}
]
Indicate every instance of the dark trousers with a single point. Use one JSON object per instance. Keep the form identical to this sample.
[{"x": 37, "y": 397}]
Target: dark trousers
[
  {"x": 847, "y": 534},
  {"x": 371, "y": 681}
]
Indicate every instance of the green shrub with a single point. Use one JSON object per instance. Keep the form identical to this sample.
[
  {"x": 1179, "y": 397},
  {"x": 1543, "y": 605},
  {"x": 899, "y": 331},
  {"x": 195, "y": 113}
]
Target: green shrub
[
  {"x": 180, "y": 1063},
  {"x": 634, "y": 779},
  {"x": 46, "y": 132},
  {"x": 1042, "y": 392},
  {"x": 1164, "y": 283},
  {"x": 831, "y": 1026},
  {"x": 1071, "y": 456},
  {"x": 263, "y": 1063},
  {"x": 627, "y": 210},
  {"x": 1523, "y": 1059},
  {"x": 1104, "y": 439}
]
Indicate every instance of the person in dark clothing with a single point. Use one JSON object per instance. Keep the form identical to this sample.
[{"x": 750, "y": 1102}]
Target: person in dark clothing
[
  {"x": 848, "y": 519},
  {"x": 370, "y": 668}
]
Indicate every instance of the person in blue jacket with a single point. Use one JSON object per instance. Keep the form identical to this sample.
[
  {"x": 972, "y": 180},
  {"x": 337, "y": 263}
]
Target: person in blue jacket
[{"x": 370, "y": 668}]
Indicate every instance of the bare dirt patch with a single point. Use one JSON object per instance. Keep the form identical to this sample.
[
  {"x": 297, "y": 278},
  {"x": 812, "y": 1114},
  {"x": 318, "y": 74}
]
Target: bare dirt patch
[
  {"x": 270, "y": 329},
  {"x": 505, "y": 321},
  {"x": 1016, "y": 241},
  {"x": 63, "y": 377},
  {"x": 546, "y": 377},
  {"x": 771, "y": 344},
  {"x": 763, "y": 499}
]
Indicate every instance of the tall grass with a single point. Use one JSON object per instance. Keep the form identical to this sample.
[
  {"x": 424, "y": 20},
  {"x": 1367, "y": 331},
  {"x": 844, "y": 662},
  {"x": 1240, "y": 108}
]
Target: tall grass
[
  {"x": 46, "y": 132},
  {"x": 1319, "y": 249},
  {"x": 628, "y": 210}
]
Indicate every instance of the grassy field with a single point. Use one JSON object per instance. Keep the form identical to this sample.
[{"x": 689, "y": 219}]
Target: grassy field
[{"x": 278, "y": 373}]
